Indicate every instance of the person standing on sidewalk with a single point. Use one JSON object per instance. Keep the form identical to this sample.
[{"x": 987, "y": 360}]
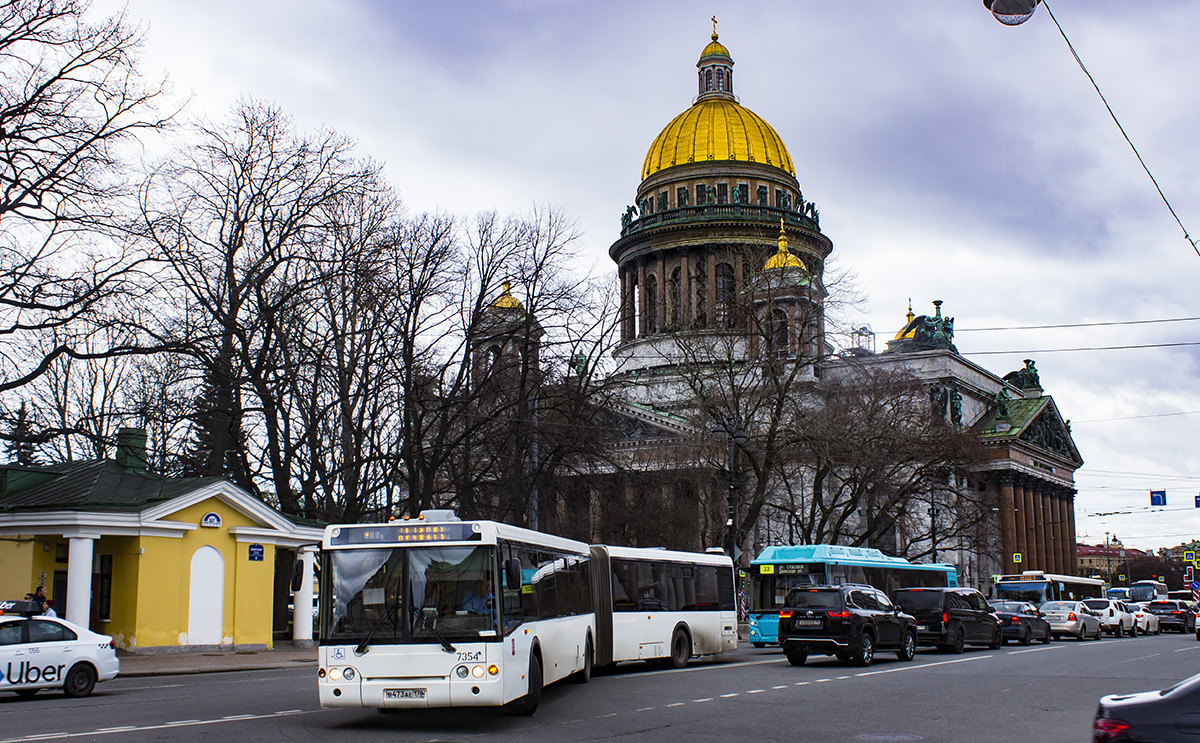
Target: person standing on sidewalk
[{"x": 50, "y": 612}]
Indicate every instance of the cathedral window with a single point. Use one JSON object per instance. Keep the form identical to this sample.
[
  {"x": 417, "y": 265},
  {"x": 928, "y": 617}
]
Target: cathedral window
[
  {"x": 777, "y": 332},
  {"x": 720, "y": 78},
  {"x": 681, "y": 197},
  {"x": 699, "y": 194},
  {"x": 778, "y": 199},
  {"x": 708, "y": 80},
  {"x": 743, "y": 193},
  {"x": 722, "y": 193}
]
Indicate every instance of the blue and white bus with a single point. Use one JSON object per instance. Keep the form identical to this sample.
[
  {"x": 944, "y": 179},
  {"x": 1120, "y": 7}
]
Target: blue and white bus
[{"x": 779, "y": 569}]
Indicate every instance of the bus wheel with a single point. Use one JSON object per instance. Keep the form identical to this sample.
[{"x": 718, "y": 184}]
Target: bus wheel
[
  {"x": 680, "y": 650},
  {"x": 585, "y": 674},
  {"x": 528, "y": 704}
]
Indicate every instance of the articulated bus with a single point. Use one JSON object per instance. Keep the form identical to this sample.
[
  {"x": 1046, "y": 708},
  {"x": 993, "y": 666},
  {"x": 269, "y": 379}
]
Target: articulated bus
[
  {"x": 779, "y": 569},
  {"x": 654, "y": 604},
  {"x": 1036, "y": 587},
  {"x": 409, "y": 619}
]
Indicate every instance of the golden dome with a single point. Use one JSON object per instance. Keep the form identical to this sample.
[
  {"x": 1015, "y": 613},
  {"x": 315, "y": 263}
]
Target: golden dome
[
  {"x": 716, "y": 129},
  {"x": 909, "y": 330},
  {"x": 783, "y": 258},
  {"x": 506, "y": 301}
]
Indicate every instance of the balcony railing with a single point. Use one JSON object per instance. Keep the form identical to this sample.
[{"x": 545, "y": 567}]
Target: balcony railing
[{"x": 716, "y": 213}]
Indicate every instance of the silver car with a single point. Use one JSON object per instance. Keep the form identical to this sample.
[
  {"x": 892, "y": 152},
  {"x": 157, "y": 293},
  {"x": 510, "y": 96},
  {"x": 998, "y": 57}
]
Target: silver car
[{"x": 1072, "y": 618}]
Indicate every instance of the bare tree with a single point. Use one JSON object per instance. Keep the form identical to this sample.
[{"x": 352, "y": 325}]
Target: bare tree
[{"x": 71, "y": 101}]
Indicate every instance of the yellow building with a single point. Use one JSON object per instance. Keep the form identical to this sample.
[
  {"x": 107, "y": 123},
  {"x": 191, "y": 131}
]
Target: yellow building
[{"x": 158, "y": 563}]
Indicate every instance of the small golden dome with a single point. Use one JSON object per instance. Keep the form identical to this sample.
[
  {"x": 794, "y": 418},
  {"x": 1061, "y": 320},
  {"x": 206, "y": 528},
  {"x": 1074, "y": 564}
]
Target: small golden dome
[
  {"x": 506, "y": 301},
  {"x": 716, "y": 129},
  {"x": 715, "y": 49},
  {"x": 783, "y": 258},
  {"x": 909, "y": 330}
]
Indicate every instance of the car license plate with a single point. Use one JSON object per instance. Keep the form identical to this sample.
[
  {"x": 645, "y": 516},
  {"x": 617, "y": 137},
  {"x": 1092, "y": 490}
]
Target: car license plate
[
  {"x": 922, "y": 627},
  {"x": 808, "y": 622},
  {"x": 404, "y": 693}
]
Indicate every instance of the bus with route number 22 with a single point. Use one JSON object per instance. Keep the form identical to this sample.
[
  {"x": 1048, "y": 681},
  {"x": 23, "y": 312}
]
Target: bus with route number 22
[{"x": 438, "y": 612}]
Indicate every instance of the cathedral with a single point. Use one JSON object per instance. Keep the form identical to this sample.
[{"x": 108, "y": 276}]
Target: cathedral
[{"x": 722, "y": 329}]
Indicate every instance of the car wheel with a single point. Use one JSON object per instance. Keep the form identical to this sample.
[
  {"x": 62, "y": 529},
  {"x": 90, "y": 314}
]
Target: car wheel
[
  {"x": 81, "y": 679},
  {"x": 960, "y": 642},
  {"x": 1027, "y": 638},
  {"x": 585, "y": 674},
  {"x": 680, "y": 649},
  {"x": 908, "y": 648},
  {"x": 1079, "y": 635},
  {"x": 528, "y": 704},
  {"x": 995, "y": 643},
  {"x": 1099, "y": 633},
  {"x": 1049, "y": 636},
  {"x": 1119, "y": 631},
  {"x": 842, "y": 655},
  {"x": 866, "y": 651},
  {"x": 796, "y": 657}
]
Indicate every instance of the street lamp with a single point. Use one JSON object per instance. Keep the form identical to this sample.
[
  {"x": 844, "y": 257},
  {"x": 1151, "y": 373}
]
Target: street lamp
[{"x": 736, "y": 436}]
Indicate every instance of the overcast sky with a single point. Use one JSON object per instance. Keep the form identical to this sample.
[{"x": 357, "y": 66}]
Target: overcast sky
[{"x": 951, "y": 158}]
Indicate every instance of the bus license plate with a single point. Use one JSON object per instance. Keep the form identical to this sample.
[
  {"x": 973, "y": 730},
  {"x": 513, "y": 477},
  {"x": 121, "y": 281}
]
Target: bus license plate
[
  {"x": 808, "y": 622},
  {"x": 404, "y": 693}
]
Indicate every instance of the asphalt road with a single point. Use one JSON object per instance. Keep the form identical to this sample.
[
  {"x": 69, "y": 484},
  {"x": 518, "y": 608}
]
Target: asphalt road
[{"x": 1039, "y": 693}]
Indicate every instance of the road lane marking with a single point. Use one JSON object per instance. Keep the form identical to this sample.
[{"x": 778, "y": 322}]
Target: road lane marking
[
  {"x": 610, "y": 714},
  {"x": 140, "y": 728},
  {"x": 673, "y": 704},
  {"x": 923, "y": 665},
  {"x": 1144, "y": 657},
  {"x": 784, "y": 686},
  {"x": 756, "y": 691},
  {"x": 800, "y": 683},
  {"x": 1184, "y": 650},
  {"x": 1031, "y": 650},
  {"x": 844, "y": 677},
  {"x": 735, "y": 694},
  {"x": 698, "y": 701},
  {"x": 713, "y": 667}
]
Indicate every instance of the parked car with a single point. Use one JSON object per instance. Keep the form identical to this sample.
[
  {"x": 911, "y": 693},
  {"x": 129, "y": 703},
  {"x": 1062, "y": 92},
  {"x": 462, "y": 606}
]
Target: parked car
[
  {"x": 1114, "y": 618},
  {"x": 848, "y": 621},
  {"x": 39, "y": 652},
  {"x": 1072, "y": 618},
  {"x": 1166, "y": 716},
  {"x": 1020, "y": 621},
  {"x": 1147, "y": 621},
  {"x": 1173, "y": 615},
  {"x": 950, "y": 618}
]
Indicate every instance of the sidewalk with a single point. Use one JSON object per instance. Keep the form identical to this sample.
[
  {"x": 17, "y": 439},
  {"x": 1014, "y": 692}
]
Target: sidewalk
[{"x": 134, "y": 665}]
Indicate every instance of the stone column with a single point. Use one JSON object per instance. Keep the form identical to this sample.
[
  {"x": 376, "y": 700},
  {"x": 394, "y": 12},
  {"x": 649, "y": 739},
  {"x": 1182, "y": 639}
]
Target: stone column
[
  {"x": 1071, "y": 528},
  {"x": 1008, "y": 542},
  {"x": 710, "y": 298},
  {"x": 660, "y": 308},
  {"x": 623, "y": 273},
  {"x": 1034, "y": 559},
  {"x": 1020, "y": 533},
  {"x": 79, "y": 579},
  {"x": 1043, "y": 525},
  {"x": 1051, "y": 543},
  {"x": 685, "y": 288},
  {"x": 1060, "y": 511},
  {"x": 739, "y": 286},
  {"x": 643, "y": 320},
  {"x": 302, "y": 600}
]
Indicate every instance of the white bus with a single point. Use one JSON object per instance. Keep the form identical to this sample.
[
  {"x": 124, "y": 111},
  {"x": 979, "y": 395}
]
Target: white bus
[
  {"x": 409, "y": 619},
  {"x": 1145, "y": 591},
  {"x": 1036, "y": 587},
  {"x": 661, "y": 606}
]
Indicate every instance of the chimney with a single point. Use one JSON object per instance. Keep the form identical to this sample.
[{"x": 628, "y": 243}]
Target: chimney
[{"x": 131, "y": 449}]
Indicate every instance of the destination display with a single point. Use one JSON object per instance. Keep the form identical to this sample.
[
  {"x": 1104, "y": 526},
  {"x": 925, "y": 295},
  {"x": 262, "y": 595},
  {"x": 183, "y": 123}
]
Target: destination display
[{"x": 406, "y": 532}]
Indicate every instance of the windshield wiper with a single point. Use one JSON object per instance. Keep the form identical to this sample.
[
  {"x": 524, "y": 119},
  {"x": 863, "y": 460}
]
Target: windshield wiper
[
  {"x": 429, "y": 626},
  {"x": 389, "y": 614}
]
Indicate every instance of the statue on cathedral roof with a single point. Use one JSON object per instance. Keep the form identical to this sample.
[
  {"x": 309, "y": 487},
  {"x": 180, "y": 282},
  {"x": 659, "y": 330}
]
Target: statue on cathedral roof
[
  {"x": 1025, "y": 379},
  {"x": 925, "y": 333}
]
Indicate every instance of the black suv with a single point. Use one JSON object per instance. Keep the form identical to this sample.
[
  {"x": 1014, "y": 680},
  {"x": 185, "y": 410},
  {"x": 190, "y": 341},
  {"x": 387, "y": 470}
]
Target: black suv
[
  {"x": 849, "y": 621},
  {"x": 1173, "y": 616},
  {"x": 950, "y": 618}
]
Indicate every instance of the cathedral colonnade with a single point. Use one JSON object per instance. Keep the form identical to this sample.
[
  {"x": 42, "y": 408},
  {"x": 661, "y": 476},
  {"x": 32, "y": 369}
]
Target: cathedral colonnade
[{"x": 1037, "y": 522}]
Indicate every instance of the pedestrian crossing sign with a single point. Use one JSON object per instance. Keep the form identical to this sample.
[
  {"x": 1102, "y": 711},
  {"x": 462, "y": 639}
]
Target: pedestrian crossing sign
[{"x": 1017, "y": 557}]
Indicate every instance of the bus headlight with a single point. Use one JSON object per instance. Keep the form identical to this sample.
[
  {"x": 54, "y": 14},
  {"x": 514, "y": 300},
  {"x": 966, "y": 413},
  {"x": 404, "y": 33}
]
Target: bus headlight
[
  {"x": 348, "y": 674},
  {"x": 477, "y": 671},
  {"x": 462, "y": 672},
  {"x": 335, "y": 674}
]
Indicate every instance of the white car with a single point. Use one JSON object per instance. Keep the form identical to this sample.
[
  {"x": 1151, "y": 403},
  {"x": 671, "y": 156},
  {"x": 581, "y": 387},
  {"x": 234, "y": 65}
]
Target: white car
[
  {"x": 1113, "y": 617},
  {"x": 1147, "y": 623},
  {"x": 39, "y": 652}
]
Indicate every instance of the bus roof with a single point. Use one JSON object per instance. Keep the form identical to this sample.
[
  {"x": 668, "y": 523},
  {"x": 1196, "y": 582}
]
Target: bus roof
[
  {"x": 837, "y": 554},
  {"x": 441, "y": 529},
  {"x": 661, "y": 555}
]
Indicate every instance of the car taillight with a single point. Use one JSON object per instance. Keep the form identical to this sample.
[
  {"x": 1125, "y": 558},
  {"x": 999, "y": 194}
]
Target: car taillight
[
  {"x": 1104, "y": 729},
  {"x": 1071, "y": 617},
  {"x": 1015, "y": 620},
  {"x": 945, "y": 617},
  {"x": 838, "y": 614},
  {"x": 784, "y": 614},
  {"x": 1176, "y": 612}
]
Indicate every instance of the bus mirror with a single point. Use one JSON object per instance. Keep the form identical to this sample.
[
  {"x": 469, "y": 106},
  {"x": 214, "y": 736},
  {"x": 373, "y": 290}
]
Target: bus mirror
[
  {"x": 297, "y": 575},
  {"x": 512, "y": 574}
]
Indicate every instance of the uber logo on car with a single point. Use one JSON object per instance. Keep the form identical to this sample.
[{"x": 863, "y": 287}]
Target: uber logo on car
[{"x": 27, "y": 673}]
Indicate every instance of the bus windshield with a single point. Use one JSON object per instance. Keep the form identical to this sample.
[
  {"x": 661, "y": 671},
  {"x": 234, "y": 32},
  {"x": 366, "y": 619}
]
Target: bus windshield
[
  {"x": 410, "y": 594},
  {"x": 1030, "y": 592},
  {"x": 1144, "y": 593}
]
